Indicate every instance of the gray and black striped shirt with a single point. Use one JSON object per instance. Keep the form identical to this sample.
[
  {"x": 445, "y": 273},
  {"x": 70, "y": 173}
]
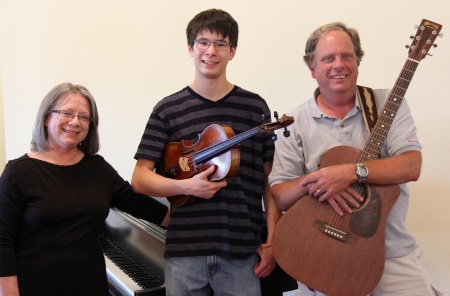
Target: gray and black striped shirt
[{"x": 230, "y": 223}]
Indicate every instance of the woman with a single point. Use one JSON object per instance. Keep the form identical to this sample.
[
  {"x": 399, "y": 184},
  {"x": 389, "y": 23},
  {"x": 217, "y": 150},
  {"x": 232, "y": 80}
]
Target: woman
[{"x": 54, "y": 200}]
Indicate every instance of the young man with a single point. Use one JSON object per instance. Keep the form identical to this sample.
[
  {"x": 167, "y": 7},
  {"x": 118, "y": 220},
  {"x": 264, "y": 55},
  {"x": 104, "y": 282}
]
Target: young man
[
  {"x": 213, "y": 244},
  {"x": 333, "y": 117}
]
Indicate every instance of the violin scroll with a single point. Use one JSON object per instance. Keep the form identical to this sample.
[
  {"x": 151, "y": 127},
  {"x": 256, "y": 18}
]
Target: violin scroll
[{"x": 283, "y": 122}]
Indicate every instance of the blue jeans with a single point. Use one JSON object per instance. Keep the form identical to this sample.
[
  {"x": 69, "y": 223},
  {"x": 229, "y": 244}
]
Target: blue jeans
[{"x": 198, "y": 276}]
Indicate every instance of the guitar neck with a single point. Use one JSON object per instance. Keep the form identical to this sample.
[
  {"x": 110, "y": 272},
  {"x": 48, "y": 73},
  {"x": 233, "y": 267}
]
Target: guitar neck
[{"x": 378, "y": 136}]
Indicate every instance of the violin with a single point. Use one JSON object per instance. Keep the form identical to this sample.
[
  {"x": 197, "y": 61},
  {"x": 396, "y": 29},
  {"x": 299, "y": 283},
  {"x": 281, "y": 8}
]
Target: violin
[{"x": 217, "y": 146}]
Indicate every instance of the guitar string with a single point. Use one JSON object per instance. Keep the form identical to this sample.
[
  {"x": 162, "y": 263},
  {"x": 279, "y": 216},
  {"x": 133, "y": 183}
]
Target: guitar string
[{"x": 402, "y": 84}]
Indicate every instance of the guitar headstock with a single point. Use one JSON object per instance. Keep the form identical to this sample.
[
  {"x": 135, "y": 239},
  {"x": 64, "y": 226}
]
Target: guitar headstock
[{"x": 427, "y": 32}]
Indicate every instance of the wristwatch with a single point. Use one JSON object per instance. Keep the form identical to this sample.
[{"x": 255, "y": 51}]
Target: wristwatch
[{"x": 362, "y": 172}]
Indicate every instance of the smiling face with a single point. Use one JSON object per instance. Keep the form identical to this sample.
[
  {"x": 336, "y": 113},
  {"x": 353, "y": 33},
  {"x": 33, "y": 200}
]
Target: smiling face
[
  {"x": 335, "y": 64},
  {"x": 211, "y": 63},
  {"x": 64, "y": 134}
]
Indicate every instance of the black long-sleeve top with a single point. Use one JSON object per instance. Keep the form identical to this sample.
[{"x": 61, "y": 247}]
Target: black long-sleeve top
[{"x": 50, "y": 219}]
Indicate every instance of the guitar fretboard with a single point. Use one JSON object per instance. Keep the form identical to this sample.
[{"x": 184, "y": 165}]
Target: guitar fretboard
[{"x": 378, "y": 136}]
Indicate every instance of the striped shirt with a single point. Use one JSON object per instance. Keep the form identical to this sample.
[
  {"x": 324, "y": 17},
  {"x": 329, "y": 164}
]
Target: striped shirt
[{"x": 230, "y": 223}]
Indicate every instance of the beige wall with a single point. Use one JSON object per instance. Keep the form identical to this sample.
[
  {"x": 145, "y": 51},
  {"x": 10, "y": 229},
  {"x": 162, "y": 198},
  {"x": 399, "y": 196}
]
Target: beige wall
[
  {"x": 2, "y": 130},
  {"x": 132, "y": 53}
]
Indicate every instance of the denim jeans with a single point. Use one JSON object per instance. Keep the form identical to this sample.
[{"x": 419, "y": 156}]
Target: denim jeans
[{"x": 198, "y": 276}]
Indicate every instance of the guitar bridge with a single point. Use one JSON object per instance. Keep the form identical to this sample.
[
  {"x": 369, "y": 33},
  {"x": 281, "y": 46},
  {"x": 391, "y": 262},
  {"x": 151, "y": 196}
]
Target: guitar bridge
[{"x": 334, "y": 232}]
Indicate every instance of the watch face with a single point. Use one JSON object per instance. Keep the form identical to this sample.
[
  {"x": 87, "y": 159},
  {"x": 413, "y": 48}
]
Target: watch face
[{"x": 363, "y": 171}]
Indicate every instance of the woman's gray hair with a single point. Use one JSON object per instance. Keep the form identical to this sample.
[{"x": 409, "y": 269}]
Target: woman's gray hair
[
  {"x": 39, "y": 141},
  {"x": 311, "y": 44}
]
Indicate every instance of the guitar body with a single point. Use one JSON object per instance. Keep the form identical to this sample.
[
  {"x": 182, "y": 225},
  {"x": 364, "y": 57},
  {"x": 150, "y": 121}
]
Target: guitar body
[{"x": 332, "y": 254}]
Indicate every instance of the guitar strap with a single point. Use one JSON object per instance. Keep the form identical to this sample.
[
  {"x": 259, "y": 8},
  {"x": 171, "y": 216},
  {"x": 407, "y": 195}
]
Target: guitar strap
[{"x": 368, "y": 105}]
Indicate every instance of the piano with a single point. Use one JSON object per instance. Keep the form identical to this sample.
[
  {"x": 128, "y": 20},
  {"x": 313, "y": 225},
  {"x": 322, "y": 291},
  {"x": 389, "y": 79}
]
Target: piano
[{"x": 134, "y": 255}]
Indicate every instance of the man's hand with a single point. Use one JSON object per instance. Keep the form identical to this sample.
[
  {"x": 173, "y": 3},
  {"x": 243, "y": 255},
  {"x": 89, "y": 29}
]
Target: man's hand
[
  {"x": 344, "y": 200},
  {"x": 267, "y": 263},
  {"x": 333, "y": 184},
  {"x": 200, "y": 185}
]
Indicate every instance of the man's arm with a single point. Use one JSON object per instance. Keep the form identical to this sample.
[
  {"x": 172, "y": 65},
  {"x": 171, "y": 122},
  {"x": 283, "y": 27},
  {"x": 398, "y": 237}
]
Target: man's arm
[
  {"x": 146, "y": 181},
  {"x": 288, "y": 193},
  {"x": 398, "y": 169},
  {"x": 273, "y": 214},
  {"x": 333, "y": 183}
]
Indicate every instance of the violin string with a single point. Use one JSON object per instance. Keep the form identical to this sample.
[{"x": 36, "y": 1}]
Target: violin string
[
  {"x": 219, "y": 146},
  {"x": 216, "y": 147},
  {"x": 224, "y": 145}
]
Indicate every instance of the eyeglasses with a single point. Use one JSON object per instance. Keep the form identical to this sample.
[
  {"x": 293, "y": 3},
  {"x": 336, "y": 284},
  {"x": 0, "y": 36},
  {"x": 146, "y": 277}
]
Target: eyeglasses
[
  {"x": 71, "y": 115},
  {"x": 219, "y": 45}
]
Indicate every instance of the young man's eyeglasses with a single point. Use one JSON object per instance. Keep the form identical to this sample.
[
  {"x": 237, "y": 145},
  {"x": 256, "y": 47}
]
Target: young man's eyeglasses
[
  {"x": 71, "y": 115},
  {"x": 219, "y": 45}
]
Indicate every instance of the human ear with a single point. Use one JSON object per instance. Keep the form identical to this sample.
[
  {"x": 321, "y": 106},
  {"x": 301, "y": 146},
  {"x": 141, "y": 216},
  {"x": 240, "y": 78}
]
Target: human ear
[{"x": 313, "y": 72}]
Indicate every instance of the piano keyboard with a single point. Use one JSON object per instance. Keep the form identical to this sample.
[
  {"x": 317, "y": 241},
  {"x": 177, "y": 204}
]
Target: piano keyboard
[
  {"x": 133, "y": 255},
  {"x": 119, "y": 281}
]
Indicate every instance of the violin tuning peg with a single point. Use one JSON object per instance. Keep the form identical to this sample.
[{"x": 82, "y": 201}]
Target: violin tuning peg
[{"x": 275, "y": 114}]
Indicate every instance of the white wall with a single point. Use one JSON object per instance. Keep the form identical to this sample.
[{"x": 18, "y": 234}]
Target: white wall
[{"x": 132, "y": 53}]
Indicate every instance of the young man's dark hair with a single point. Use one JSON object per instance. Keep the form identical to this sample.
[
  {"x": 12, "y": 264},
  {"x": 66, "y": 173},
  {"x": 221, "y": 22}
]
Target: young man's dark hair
[{"x": 216, "y": 21}]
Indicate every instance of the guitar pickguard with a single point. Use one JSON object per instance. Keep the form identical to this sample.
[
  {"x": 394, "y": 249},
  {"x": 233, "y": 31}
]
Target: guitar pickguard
[{"x": 365, "y": 220}]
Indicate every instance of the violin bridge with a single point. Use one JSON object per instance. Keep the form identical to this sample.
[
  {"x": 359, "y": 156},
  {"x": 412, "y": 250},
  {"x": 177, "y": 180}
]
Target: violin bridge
[{"x": 184, "y": 164}]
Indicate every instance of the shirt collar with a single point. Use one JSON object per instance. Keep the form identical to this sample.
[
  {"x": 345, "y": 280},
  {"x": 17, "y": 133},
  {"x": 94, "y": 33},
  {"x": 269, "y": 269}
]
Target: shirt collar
[{"x": 317, "y": 113}]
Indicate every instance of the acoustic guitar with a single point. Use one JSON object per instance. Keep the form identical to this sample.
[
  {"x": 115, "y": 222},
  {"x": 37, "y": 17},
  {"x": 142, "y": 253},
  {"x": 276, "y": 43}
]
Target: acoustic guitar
[
  {"x": 344, "y": 255},
  {"x": 217, "y": 146}
]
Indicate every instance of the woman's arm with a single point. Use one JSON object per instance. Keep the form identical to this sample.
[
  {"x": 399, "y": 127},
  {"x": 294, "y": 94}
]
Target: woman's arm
[{"x": 9, "y": 286}]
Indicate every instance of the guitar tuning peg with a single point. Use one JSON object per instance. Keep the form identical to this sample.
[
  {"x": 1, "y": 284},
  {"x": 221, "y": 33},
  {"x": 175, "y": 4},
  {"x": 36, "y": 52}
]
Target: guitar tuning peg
[
  {"x": 407, "y": 46},
  {"x": 440, "y": 35},
  {"x": 435, "y": 45},
  {"x": 411, "y": 37}
]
